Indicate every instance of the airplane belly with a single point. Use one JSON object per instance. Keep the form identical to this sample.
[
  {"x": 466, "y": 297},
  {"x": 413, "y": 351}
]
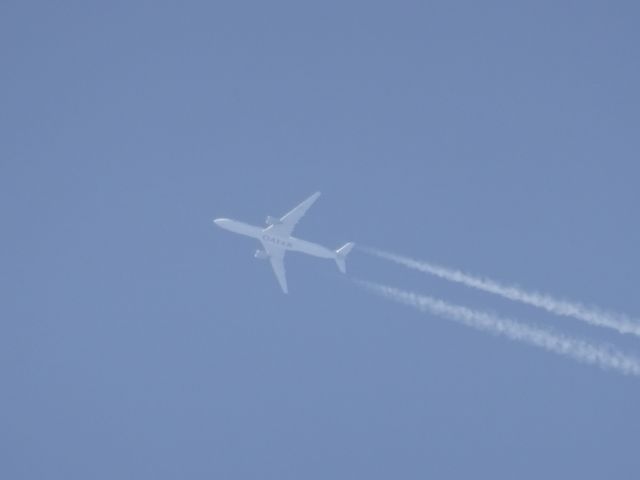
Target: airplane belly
[
  {"x": 239, "y": 227},
  {"x": 309, "y": 248}
]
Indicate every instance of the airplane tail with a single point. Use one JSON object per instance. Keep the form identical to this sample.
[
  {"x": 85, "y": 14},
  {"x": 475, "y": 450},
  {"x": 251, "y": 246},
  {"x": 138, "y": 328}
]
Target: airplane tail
[{"x": 341, "y": 256}]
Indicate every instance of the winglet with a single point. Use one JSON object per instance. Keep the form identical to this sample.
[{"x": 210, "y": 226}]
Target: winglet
[{"x": 341, "y": 256}]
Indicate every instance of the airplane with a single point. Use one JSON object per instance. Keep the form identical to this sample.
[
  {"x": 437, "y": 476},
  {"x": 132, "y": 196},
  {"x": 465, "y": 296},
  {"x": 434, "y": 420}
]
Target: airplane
[{"x": 276, "y": 240}]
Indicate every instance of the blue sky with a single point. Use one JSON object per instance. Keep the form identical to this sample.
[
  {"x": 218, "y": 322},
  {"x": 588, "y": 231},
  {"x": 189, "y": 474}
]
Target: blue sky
[{"x": 139, "y": 341}]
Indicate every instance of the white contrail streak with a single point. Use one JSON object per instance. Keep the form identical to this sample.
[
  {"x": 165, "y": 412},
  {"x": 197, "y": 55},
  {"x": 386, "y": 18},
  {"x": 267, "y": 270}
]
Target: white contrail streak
[
  {"x": 620, "y": 323},
  {"x": 603, "y": 356}
]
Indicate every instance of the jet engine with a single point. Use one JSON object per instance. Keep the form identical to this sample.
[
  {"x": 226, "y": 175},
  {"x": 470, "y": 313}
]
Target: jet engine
[
  {"x": 261, "y": 254},
  {"x": 272, "y": 220}
]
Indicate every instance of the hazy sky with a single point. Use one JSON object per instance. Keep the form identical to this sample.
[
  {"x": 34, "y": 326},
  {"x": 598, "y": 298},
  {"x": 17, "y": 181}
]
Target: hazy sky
[{"x": 137, "y": 340}]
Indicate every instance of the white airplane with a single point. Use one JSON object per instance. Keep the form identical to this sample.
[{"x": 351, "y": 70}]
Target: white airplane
[{"x": 276, "y": 239}]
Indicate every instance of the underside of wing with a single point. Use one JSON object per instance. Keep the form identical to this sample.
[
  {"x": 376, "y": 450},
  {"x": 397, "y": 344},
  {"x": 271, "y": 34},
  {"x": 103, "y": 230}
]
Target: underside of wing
[
  {"x": 288, "y": 222},
  {"x": 276, "y": 257}
]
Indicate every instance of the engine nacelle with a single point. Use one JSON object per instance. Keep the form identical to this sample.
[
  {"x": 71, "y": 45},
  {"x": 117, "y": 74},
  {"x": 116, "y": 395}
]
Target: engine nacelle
[
  {"x": 272, "y": 220},
  {"x": 261, "y": 254}
]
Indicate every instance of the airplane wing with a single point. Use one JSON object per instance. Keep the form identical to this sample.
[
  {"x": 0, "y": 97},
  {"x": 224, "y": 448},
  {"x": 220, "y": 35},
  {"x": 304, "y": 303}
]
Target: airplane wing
[
  {"x": 289, "y": 220},
  {"x": 276, "y": 257}
]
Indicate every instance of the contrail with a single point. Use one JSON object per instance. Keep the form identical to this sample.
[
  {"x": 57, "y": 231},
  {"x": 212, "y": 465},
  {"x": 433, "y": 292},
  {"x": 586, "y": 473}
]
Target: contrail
[
  {"x": 620, "y": 323},
  {"x": 603, "y": 356}
]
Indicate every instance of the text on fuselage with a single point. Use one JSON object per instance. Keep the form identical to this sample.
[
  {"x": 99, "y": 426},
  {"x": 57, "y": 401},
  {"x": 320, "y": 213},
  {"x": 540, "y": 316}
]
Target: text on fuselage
[{"x": 277, "y": 241}]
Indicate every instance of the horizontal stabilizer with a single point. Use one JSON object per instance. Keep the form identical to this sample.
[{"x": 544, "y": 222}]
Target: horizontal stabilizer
[{"x": 341, "y": 256}]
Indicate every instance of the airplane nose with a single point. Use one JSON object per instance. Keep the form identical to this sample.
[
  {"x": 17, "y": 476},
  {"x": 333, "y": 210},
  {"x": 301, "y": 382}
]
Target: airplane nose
[{"x": 222, "y": 223}]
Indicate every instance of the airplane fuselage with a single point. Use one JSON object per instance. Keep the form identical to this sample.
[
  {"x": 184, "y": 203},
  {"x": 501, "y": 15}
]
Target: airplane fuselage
[
  {"x": 276, "y": 239},
  {"x": 288, "y": 243}
]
